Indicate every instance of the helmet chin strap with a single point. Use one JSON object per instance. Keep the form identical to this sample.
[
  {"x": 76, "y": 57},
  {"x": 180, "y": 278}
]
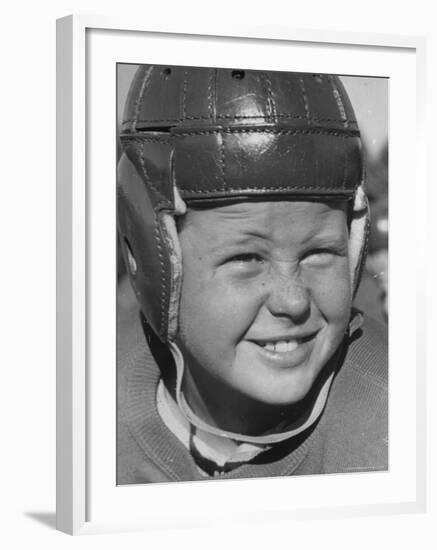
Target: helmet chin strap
[{"x": 298, "y": 427}]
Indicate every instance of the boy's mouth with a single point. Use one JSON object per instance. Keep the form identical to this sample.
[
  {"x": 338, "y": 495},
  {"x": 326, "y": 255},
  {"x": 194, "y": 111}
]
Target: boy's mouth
[{"x": 283, "y": 345}]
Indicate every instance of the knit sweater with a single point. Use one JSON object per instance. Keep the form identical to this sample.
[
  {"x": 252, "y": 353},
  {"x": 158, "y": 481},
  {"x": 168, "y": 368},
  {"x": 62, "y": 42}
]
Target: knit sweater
[{"x": 350, "y": 436}]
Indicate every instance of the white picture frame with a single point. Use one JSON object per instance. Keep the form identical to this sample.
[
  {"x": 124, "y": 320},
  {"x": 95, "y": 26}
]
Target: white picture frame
[{"x": 87, "y": 48}]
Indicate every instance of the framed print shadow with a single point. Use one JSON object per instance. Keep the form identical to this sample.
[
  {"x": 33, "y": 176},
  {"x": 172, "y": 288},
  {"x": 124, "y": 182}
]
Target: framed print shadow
[{"x": 224, "y": 306}]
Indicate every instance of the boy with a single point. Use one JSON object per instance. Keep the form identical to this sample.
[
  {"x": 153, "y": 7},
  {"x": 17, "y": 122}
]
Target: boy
[{"x": 244, "y": 225}]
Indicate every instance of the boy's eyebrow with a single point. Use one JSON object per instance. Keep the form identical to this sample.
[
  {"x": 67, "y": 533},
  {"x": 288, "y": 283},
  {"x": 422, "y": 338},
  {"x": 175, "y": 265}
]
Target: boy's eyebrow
[
  {"x": 325, "y": 236},
  {"x": 238, "y": 240}
]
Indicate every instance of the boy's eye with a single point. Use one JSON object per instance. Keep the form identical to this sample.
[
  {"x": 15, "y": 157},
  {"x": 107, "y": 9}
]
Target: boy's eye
[
  {"x": 246, "y": 258},
  {"x": 320, "y": 257}
]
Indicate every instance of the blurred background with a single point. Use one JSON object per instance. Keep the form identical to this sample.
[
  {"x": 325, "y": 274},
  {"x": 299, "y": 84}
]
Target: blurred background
[{"x": 369, "y": 97}]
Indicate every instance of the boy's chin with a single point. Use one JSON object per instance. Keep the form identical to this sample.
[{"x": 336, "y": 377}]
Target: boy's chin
[
  {"x": 282, "y": 398},
  {"x": 298, "y": 386}
]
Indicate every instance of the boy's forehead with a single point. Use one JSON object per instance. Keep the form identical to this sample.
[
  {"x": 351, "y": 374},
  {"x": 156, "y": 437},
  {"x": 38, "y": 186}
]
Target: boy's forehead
[
  {"x": 273, "y": 221},
  {"x": 268, "y": 213}
]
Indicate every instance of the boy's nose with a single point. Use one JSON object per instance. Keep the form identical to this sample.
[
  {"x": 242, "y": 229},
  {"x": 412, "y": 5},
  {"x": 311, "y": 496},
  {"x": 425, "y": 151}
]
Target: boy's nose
[{"x": 289, "y": 297}]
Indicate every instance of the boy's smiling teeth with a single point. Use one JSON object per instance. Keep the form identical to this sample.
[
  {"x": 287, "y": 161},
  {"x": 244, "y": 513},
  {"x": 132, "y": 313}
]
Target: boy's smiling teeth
[{"x": 281, "y": 346}]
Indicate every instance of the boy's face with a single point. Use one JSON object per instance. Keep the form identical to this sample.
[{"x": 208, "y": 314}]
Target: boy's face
[{"x": 265, "y": 297}]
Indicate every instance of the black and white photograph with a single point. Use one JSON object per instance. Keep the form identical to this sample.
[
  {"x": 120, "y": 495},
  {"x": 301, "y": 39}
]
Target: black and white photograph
[{"x": 252, "y": 274}]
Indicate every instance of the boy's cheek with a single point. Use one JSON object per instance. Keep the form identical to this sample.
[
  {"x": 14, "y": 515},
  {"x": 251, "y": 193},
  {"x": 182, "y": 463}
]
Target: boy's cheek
[
  {"x": 219, "y": 294},
  {"x": 332, "y": 291},
  {"x": 334, "y": 303},
  {"x": 220, "y": 311}
]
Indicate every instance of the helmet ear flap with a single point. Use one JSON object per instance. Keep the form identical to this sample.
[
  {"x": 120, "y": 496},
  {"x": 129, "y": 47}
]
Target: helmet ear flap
[
  {"x": 143, "y": 246},
  {"x": 150, "y": 248}
]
